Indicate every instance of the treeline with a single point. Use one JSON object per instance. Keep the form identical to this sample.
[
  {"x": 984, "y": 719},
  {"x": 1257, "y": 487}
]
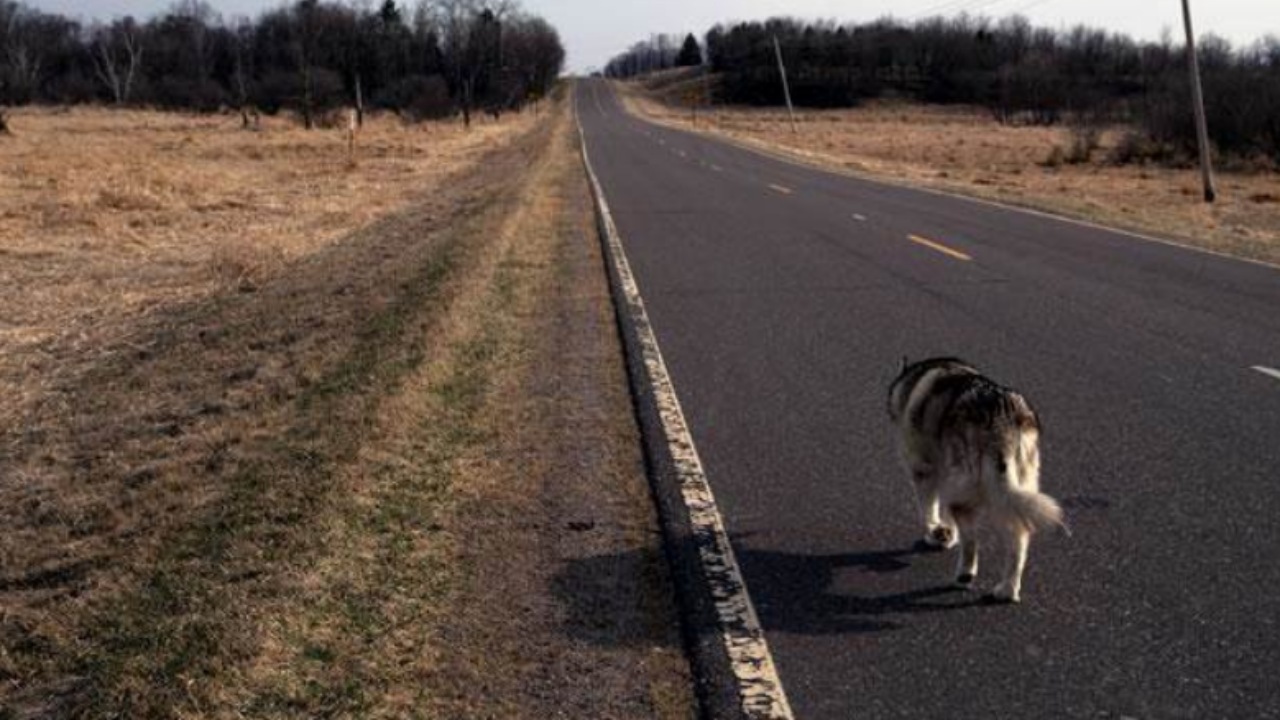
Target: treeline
[
  {"x": 660, "y": 52},
  {"x": 435, "y": 59},
  {"x": 1021, "y": 73}
]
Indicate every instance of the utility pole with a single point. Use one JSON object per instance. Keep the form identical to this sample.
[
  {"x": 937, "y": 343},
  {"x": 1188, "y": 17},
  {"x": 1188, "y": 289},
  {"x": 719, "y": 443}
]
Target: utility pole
[
  {"x": 786, "y": 89},
  {"x": 1197, "y": 98},
  {"x": 706, "y": 85}
]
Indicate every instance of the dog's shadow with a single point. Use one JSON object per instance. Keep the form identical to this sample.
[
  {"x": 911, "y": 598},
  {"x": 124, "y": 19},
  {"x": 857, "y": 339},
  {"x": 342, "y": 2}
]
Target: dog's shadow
[
  {"x": 801, "y": 595},
  {"x": 602, "y": 595}
]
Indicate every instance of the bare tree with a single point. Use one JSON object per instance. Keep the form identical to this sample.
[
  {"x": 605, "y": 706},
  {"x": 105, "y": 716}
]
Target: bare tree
[
  {"x": 505, "y": 85},
  {"x": 305, "y": 42},
  {"x": 454, "y": 19},
  {"x": 20, "y": 53},
  {"x": 117, "y": 57},
  {"x": 472, "y": 38},
  {"x": 195, "y": 18},
  {"x": 242, "y": 38}
]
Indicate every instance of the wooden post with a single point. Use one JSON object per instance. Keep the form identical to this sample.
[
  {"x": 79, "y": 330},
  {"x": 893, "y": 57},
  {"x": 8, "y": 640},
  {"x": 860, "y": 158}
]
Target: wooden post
[
  {"x": 353, "y": 122},
  {"x": 359, "y": 103},
  {"x": 786, "y": 88}
]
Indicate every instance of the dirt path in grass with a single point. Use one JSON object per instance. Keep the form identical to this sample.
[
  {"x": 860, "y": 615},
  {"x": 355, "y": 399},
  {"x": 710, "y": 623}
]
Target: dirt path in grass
[{"x": 400, "y": 479}]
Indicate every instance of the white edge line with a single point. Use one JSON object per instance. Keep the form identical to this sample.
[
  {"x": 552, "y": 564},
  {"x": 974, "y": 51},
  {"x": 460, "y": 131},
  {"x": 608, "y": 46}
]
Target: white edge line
[
  {"x": 1272, "y": 372},
  {"x": 759, "y": 686},
  {"x": 894, "y": 182}
]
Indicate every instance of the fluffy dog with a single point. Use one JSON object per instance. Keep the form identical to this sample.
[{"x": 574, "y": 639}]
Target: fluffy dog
[{"x": 972, "y": 448}]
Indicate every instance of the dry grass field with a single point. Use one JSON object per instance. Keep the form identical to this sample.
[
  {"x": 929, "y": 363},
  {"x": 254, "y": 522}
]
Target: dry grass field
[
  {"x": 964, "y": 150},
  {"x": 107, "y": 216},
  {"x": 286, "y": 436}
]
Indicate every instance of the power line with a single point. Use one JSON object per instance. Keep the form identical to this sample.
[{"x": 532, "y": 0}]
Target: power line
[
  {"x": 938, "y": 9},
  {"x": 1028, "y": 6},
  {"x": 955, "y": 7}
]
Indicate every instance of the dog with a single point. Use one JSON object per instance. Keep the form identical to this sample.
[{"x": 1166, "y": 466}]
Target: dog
[{"x": 972, "y": 451}]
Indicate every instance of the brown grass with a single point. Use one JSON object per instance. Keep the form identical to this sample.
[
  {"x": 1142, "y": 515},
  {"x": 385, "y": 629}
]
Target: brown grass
[
  {"x": 352, "y": 492},
  {"x": 161, "y": 493},
  {"x": 964, "y": 150},
  {"x": 108, "y": 216}
]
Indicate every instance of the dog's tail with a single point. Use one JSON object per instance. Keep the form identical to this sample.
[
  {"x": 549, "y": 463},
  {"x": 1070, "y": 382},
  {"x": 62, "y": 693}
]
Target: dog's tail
[
  {"x": 1017, "y": 491},
  {"x": 1033, "y": 510}
]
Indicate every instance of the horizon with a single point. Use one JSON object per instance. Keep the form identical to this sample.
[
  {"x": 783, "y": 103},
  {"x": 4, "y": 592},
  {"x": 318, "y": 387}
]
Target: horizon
[{"x": 592, "y": 38}]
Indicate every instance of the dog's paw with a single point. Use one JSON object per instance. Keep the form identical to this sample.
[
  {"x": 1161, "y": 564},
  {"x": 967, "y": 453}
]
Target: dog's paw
[
  {"x": 942, "y": 536},
  {"x": 1006, "y": 594},
  {"x": 965, "y": 580}
]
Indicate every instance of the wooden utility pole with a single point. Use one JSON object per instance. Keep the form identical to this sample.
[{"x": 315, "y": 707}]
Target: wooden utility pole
[
  {"x": 786, "y": 88},
  {"x": 706, "y": 87},
  {"x": 1197, "y": 98}
]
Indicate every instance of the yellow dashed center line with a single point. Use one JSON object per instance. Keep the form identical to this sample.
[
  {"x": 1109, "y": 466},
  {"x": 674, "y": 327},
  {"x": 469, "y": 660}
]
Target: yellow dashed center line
[
  {"x": 781, "y": 189},
  {"x": 939, "y": 247}
]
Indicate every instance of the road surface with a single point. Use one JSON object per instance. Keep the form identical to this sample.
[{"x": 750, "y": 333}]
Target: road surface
[{"x": 783, "y": 299}]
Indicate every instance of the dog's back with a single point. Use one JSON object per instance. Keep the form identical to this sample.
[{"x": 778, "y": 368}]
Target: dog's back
[
  {"x": 920, "y": 403},
  {"x": 953, "y": 418},
  {"x": 973, "y": 449}
]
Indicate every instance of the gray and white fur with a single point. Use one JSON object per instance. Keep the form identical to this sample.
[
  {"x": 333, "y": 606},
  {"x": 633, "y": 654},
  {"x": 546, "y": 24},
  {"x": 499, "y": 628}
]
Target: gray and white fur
[{"x": 972, "y": 448}]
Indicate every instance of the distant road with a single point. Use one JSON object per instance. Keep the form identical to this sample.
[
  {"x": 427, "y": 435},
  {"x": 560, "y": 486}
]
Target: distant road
[{"x": 783, "y": 299}]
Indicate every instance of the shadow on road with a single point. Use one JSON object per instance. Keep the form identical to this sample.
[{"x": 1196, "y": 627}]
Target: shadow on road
[
  {"x": 792, "y": 592},
  {"x": 801, "y": 595}
]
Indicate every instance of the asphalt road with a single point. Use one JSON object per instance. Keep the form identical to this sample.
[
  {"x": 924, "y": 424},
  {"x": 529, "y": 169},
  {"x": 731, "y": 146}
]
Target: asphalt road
[{"x": 783, "y": 299}]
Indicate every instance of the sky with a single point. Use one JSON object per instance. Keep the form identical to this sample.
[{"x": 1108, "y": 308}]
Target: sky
[{"x": 595, "y": 30}]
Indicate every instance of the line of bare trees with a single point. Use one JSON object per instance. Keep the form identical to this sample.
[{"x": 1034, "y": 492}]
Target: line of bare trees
[
  {"x": 659, "y": 52},
  {"x": 1021, "y": 73},
  {"x": 436, "y": 58}
]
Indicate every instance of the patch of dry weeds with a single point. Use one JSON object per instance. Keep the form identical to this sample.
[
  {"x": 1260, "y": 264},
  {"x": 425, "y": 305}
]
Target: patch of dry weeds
[
  {"x": 160, "y": 499},
  {"x": 109, "y": 216}
]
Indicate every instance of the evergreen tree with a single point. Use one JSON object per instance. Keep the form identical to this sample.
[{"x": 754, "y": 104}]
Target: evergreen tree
[{"x": 690, "y": 53}]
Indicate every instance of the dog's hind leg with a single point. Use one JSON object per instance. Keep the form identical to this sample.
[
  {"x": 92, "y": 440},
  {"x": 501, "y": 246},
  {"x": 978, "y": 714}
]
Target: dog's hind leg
[
  {"x": 1010, "y": 588},
  {"x": 938, "y": 531},
  {"x": 967, "y": 562}
]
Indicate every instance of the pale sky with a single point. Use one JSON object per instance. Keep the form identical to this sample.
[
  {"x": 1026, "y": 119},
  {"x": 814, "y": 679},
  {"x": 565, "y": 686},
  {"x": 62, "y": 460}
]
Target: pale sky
[{"x": 595, "y": 30}]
